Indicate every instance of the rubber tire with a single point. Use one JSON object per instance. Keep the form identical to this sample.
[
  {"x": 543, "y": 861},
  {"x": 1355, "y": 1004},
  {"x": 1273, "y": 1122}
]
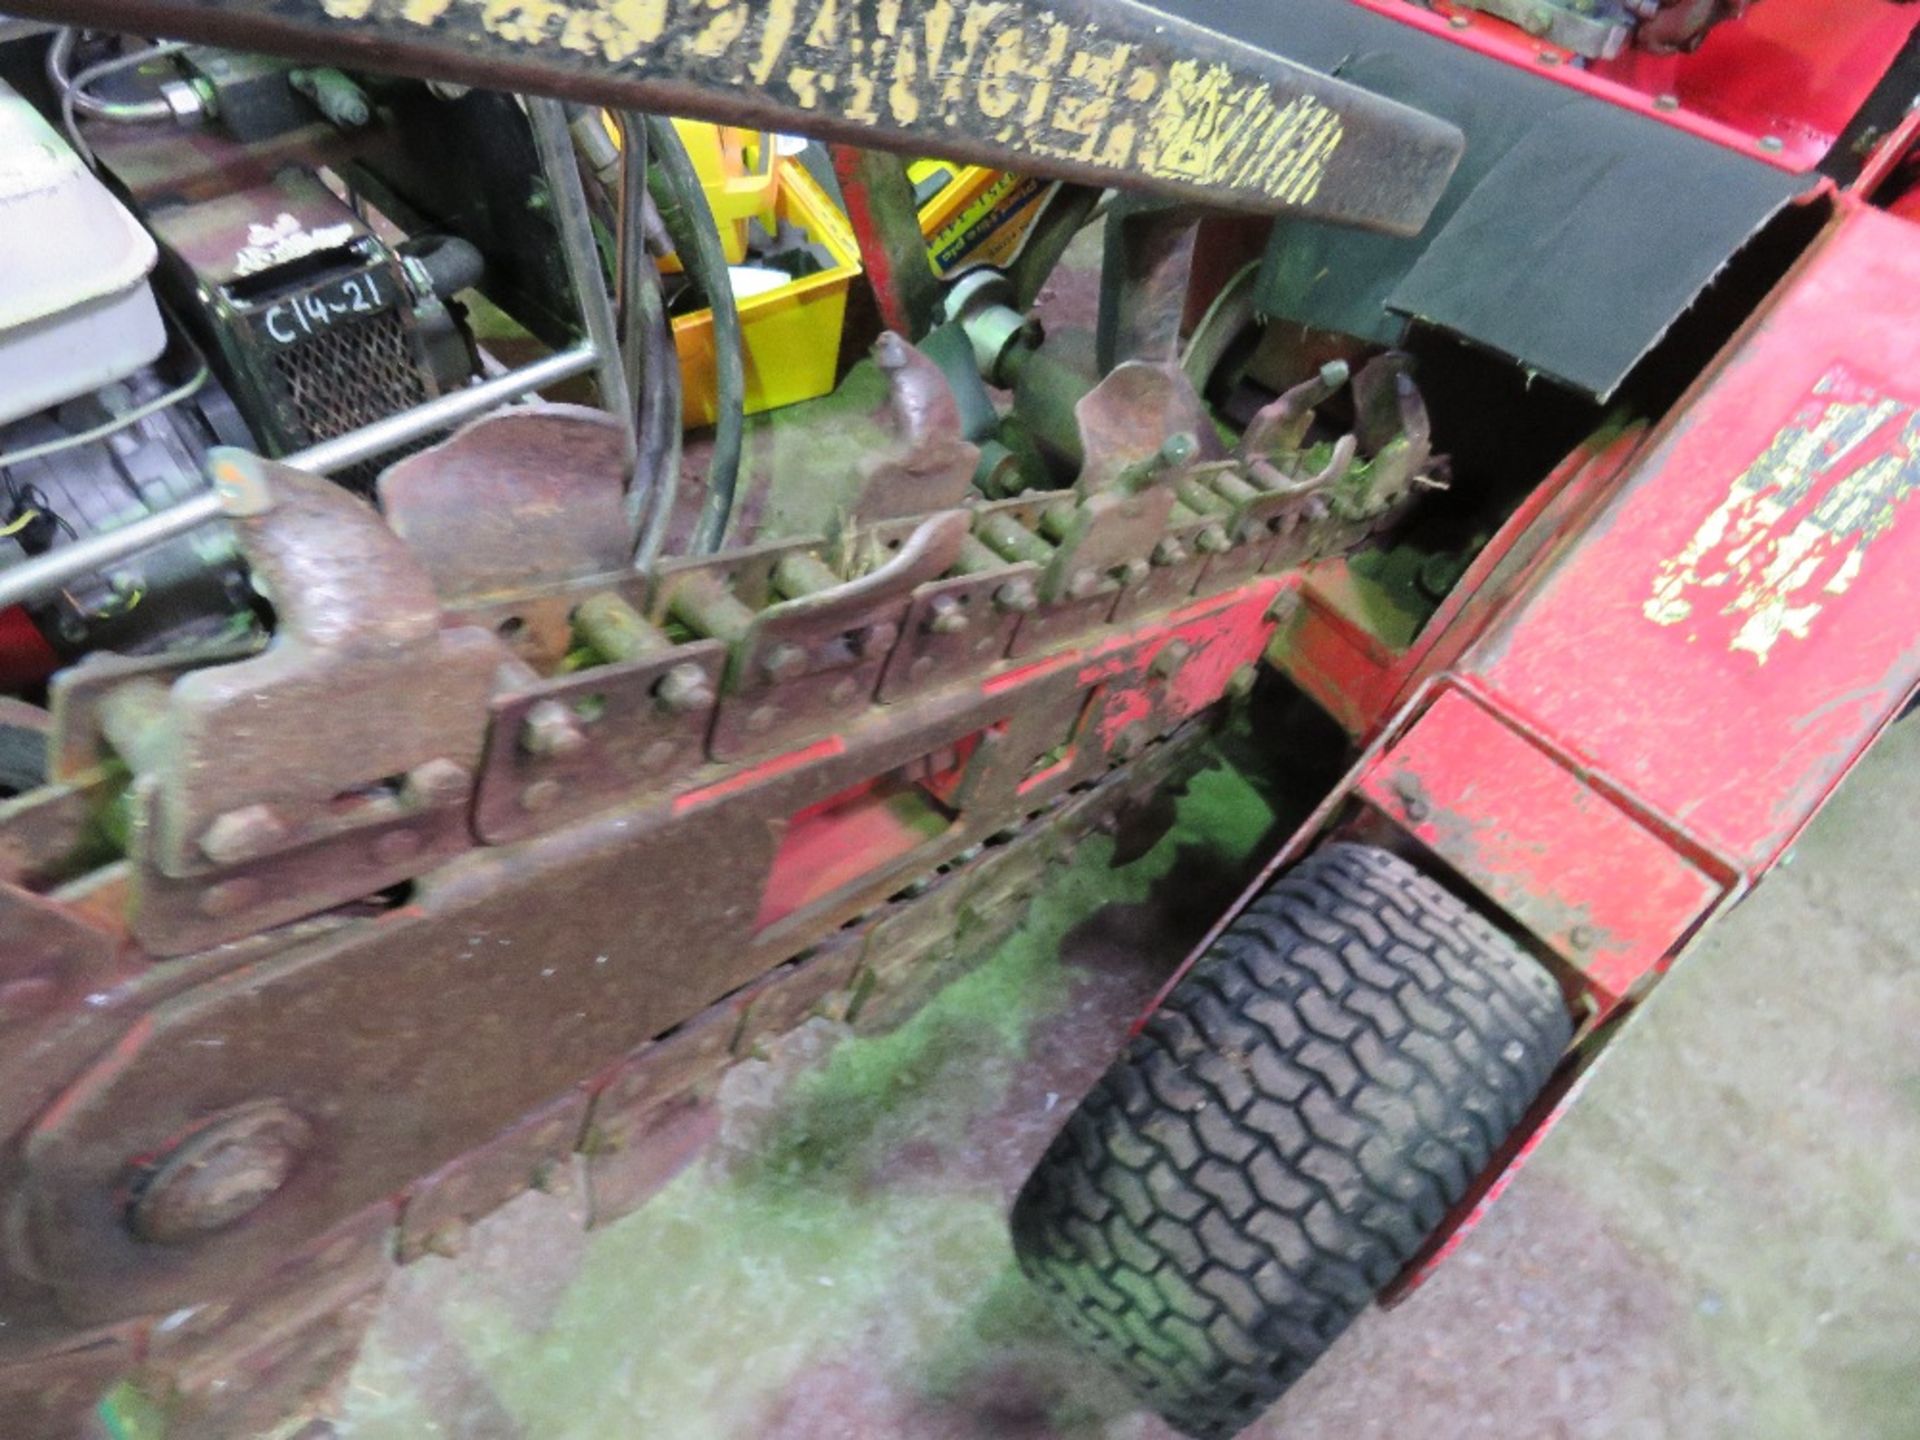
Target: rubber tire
[{"x": 1285, "y": 1134}]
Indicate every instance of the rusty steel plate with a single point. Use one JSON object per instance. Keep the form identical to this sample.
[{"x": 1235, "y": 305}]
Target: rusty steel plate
[
  {"x": 1107, "y": 92},
  {"x": 529, "y": 497},
  {"x": 954, "y": 629},
  {"x": 630, "y": 741}
]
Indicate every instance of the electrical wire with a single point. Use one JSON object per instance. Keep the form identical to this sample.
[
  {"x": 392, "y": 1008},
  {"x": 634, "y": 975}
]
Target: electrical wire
[
  {"x": 114, "y": 426},
  {"x": 75, "y": 101}
]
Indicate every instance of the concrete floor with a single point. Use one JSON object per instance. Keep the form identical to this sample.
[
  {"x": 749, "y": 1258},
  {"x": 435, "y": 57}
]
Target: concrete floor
[{"x": 1722, "y": 1240}]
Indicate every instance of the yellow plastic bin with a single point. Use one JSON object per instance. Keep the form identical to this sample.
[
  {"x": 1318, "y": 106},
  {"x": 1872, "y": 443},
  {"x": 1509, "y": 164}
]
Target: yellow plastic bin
[
  {"x": 792, "y": 333},
  {"x": 740, "y": 187}
]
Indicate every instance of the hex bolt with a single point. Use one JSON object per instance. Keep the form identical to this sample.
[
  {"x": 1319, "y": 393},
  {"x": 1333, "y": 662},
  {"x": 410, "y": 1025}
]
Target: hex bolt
[
  {"x": 784, "y": 662},
  {"x": 1172, "y": 656},
  {"x": 223, "y": 1171},
  {"x": 1581, "y": 937},
  {"x": 1214, "y": 540},
  {"x": 1285, "y": 606},
  {"x": 439, "y": 782},
  {"x": 947, "y": 616},
  {"x": 550, "y": 730},
  {"x": 1083, "y": 584},
  {"x": 1170, "y": 552},
  {"x": 1131, "y": 572},
  {"x": 1413, "y": 801},
  {"x": 242, "y": 835},
  {"x": 683, "y": 690},
  {"x": 1240, "y": 684},
  {"x": 1017, "y": 596}
]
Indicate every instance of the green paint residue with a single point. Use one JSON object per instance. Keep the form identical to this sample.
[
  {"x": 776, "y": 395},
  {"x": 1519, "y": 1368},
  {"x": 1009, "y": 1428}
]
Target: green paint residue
[{"x": 840, "y": 1237}]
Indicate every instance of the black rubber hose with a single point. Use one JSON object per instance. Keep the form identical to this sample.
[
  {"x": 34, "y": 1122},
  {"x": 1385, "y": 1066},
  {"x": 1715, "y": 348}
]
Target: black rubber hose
[
  {"x": 647, "y": 350},
  {"x": 682, "y": 201}
]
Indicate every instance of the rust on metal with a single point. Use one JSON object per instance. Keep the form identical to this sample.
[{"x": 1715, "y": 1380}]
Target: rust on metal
[{"x": 1107, "y": 92}]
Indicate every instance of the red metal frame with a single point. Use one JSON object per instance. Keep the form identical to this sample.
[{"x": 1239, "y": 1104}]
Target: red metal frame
[
  {"x": 1662, "y": 667},
  {"x": 1781, "y": 83}
]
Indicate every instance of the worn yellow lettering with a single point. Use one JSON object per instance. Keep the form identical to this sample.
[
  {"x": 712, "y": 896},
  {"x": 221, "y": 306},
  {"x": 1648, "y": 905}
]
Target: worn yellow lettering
[
  {"x": 1002, "y": 74},
  {"x": 722, "y": 32},
  {"x": 825, "y": 30},
  {"x": 1044, "y": 72},
  {"x": 935, "y": 28},
  {"x": 776, "y": 29}
]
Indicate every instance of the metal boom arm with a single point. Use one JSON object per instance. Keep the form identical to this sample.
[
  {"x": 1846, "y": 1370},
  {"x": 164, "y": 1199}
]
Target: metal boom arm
[{"x": 1108, "y": 92}]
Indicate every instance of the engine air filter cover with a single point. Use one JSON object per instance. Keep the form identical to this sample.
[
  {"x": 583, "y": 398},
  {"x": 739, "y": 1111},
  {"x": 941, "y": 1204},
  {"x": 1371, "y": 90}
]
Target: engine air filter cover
[{"x": 76, "y": 312}]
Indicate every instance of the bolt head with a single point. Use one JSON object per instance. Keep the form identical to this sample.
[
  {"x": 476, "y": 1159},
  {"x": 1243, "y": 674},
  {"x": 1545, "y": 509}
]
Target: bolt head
[
  {"x": 1285, "y": 606},
  {"x": 684, "y": 689},
  {"x": 1172, "y": 656},
  {"x": 242, "y": 835},
  {"x": 1017, "y": 596},
  {"x": 784, "y": 662},
  {"x": 222, "y": 1172},
  {"x": 947, "y": 616},
  {"x": 549, "y": 731},
  {"x": 439, "y": 782},
  {"x": 1214, "y": 540},
  {"x": 1240, "y": 684}
]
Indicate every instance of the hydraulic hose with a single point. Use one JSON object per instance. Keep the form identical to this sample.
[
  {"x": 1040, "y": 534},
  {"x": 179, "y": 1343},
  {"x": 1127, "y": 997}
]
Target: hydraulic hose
[
  {"x": 682, "y": 202},
  {"x": 647, "y": 351}
]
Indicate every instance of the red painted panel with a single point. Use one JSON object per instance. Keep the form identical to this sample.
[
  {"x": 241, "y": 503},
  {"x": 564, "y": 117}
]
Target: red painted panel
[
  {"x": 1789, "y": 71},
  {"x": 1552, "y": 851},
  {"x": 1738, "y": 624}
]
